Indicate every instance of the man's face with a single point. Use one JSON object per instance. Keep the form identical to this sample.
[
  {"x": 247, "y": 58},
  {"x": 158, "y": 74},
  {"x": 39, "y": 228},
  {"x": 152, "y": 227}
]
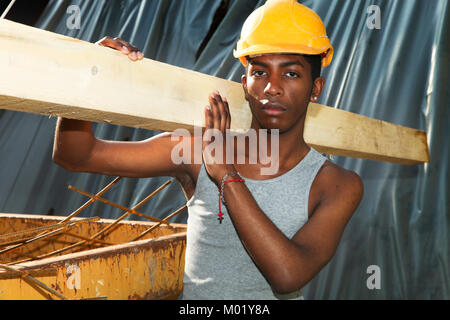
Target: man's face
[{"x": 278, "y": 88}]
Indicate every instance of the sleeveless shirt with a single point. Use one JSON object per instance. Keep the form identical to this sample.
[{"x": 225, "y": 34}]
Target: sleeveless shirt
[{"x": 217, "y": 266}]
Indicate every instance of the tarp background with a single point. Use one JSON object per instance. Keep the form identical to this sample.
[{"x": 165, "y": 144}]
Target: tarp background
[{"x": 399, "y": 73}]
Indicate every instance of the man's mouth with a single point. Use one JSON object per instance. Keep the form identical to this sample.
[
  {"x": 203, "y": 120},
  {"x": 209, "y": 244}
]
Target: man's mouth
[{"x": 272, "y": 109}]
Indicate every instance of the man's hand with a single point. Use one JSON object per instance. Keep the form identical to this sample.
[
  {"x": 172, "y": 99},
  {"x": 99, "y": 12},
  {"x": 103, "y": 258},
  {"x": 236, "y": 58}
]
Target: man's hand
[
  {"x": 131, "y": 51},
  {"x": 217, "y": 121}
]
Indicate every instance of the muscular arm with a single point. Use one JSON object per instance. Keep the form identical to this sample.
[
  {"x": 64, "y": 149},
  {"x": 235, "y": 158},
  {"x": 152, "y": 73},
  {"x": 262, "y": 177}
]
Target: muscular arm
[
  {"x": 289, "y": 264},
  {"x": 76, "y": 149}
]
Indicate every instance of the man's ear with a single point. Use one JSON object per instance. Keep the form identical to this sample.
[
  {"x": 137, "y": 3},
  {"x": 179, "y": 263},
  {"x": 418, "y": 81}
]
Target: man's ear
[
  {"x": 318, "y": 86},
  {"x": 244, "y": 85}
]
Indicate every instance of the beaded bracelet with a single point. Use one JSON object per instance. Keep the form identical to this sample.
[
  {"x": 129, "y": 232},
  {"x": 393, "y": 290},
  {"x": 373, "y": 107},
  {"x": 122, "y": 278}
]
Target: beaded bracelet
[{"x": 222, "y": 185}]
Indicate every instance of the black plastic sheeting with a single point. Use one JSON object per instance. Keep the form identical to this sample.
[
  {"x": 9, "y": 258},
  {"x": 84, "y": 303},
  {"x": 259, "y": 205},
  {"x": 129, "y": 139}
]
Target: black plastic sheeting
[{"x": 398, "y": 73}]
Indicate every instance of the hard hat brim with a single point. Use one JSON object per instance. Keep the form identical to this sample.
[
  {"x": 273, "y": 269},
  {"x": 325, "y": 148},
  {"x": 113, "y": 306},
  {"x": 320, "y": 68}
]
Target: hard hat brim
[{"x": 326, "y": 52}]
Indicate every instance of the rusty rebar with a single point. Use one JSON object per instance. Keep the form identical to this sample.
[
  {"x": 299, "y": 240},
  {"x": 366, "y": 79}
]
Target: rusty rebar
[
  {"x": 173, "y": 214},
  {"x": 13, "y": 235},
  {"x": 34, "y": 281},
  {"x": 116, "y": 205},
  {"x": 128, "y": 211},
  {"x": 99, "y": 194},
  {"x": 126, "y": 214},
  {"x": 76, "y": 212},
  {"x": 49, "y": 234}
]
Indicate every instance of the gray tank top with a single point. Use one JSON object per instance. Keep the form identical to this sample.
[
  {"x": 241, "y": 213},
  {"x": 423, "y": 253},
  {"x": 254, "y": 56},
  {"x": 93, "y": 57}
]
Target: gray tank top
[{"x": 217, "y": 265}]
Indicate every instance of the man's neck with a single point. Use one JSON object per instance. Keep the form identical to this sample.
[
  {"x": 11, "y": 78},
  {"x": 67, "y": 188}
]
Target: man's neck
[{"x": 284, "y": 150}]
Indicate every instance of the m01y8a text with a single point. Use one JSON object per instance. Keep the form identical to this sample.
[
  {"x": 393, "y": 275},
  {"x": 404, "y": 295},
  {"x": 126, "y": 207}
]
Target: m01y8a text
[{"x": 254, "y": 309}]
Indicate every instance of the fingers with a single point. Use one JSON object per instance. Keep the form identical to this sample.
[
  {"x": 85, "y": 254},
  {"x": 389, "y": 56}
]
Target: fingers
[
  {"x": 209, "y": 118},
  {"x": 217, "y": 121},
  {"x": 224, "y": 113},
  {"x": 228, "y": 122},
  {"x": 219, "y": 115},
  {"x": 121, "y": 45},
  {"x": 215, "y": 111}
]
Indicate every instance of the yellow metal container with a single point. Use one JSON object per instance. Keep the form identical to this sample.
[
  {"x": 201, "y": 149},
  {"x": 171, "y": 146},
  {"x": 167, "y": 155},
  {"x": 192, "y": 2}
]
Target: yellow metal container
[{"x": 112, "y": 268}]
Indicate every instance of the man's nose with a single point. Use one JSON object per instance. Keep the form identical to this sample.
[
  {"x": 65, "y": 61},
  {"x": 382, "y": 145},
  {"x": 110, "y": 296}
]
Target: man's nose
[{"x": 273, "y": 88}]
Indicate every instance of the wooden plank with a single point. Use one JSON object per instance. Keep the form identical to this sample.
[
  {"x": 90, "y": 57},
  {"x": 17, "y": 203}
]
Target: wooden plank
[
  {"x": 51, "y": 74},
  {"x": 343, "y": 133}
]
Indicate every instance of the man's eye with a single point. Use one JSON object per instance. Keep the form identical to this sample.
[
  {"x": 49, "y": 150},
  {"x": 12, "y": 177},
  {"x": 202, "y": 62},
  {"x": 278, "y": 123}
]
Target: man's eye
[
  {"x": 258, "y": 73},
  {"x": 292, "y": 74}
]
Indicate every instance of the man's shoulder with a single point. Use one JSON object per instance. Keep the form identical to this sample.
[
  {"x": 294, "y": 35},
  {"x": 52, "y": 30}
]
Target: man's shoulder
[{"x": 336, "y": 182}]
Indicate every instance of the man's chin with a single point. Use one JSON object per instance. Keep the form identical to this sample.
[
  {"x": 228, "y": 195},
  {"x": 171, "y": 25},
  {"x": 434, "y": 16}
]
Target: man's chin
[{"x": 273, "y": 126}]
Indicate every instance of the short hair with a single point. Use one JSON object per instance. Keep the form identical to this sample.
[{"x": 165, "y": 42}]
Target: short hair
[{"x": 315, "y": 61}]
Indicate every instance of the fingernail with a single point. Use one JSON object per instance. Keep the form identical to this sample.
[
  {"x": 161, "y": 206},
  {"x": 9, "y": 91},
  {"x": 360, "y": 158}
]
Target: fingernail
[{"x": 125, "y": 49}]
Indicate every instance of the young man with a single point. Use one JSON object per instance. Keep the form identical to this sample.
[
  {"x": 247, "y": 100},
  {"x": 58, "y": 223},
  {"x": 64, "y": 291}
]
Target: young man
[{"x": 277, "y": 231}]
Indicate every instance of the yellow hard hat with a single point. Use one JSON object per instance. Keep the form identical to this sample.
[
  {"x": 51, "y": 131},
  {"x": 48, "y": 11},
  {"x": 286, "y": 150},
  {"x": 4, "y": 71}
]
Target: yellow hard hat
[{"x": 284, "y": 26}]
